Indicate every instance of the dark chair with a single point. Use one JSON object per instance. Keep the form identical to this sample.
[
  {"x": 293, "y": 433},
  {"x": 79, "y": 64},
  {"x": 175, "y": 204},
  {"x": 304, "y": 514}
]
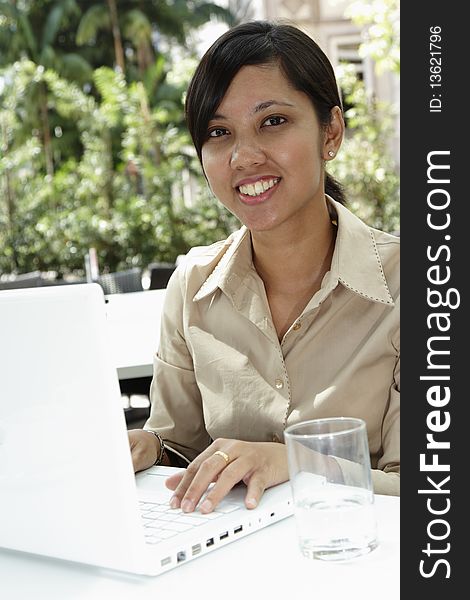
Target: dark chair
[
  {"x": 160, "y": 273},
  {"x": 66, "y": 281},
  {"x": 122, "y": 282},
  {"x": 25, "y": 280}
]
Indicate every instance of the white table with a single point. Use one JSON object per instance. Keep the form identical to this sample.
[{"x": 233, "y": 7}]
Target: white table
[
  {"x": 264, "y": 565},
  {"x": 134, "y": 331}
]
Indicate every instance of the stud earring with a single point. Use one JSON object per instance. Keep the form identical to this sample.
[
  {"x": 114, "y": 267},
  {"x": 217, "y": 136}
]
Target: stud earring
[{"x": 331, "y": 153}]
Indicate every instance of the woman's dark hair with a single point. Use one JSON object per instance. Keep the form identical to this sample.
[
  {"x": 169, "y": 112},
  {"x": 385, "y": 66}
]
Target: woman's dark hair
[{"x": 261, "y": 42}]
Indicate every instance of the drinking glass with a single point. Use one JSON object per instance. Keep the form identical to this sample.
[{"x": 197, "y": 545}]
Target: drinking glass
[{"x": 330, "y": 475}]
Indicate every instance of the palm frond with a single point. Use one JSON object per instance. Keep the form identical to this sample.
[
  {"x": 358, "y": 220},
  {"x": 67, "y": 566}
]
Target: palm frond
[
  {"x": 136, "y": 26},
  {"x": 23, "y": 25},
  {"x": 95, "y": 18},
  {"x": 109, "y": 84},
  {"x": 55, "y": 20},
  {"x": 207, "y": 10},
  {"x": 47, "y": 57},
  {"x": 76, "y": 68},
  {"x": 154, "y": 75}
]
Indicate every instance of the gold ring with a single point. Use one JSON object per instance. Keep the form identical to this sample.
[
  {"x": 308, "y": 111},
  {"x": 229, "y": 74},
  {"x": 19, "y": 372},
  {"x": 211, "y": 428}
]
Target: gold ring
[{"x": 223, "y": 455}]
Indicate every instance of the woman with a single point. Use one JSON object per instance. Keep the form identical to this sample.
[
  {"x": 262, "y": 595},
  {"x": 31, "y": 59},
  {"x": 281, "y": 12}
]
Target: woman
[{"x": 294, "y": 316}]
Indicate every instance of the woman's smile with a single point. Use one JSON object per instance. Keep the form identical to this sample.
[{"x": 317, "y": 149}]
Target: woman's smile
[{"x": 257, "y": 190}]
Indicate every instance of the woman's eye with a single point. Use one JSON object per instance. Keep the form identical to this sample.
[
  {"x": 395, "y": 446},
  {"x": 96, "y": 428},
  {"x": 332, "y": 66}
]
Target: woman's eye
[
  {"x": 217, "y": 132},
  {"x": 274, "y": 121}
]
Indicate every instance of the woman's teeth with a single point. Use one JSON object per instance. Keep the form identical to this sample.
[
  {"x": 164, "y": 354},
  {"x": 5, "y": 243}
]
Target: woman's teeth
[{"x": 255, "y": 189}]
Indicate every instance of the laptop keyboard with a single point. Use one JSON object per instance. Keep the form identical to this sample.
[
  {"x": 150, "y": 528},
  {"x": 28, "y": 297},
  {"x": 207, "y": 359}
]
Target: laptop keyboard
[{"x": 162, "y": 522}]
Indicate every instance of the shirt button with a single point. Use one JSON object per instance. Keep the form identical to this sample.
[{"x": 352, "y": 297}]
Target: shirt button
[
  {"x": 297, "y": 326},
  {"x": 279, "y": 384}
]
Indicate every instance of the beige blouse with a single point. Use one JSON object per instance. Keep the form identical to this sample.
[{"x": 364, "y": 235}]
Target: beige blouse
[{"x": 221, "y": 371}]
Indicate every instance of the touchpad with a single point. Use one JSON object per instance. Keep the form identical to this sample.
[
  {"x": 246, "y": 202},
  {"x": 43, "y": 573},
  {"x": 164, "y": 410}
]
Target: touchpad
[{"x": 151, "y": 484}]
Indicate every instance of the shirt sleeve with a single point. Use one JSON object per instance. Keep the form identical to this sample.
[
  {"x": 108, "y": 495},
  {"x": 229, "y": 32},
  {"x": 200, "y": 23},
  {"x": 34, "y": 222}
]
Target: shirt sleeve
[
  {"x": 176, "y": 406},
  {"x": 386, "y": 478}
]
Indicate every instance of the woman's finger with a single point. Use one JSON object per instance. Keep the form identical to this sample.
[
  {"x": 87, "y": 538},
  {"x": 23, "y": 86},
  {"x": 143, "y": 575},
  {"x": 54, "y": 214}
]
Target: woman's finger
[
  {"x": 181, "y": 482},
  {"x": 172, "y": 481},
  {"x": 228, "y": 478},
  {"x": 256, "y": 487},
  {"x": 191, "y": 488}
]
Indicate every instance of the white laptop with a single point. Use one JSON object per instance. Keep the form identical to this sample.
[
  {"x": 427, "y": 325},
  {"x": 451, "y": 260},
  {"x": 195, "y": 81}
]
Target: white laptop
[{"x": 67, "y": 487}]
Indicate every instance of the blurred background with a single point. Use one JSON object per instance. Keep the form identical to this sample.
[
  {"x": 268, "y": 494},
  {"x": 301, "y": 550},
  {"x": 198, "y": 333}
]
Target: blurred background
[{"x": 98, "y": 177}]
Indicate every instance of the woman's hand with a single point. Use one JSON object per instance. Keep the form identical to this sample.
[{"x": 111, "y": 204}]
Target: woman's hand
[
  {"x": 145, "y": 448},
  {"x": 259, "y": 465}
]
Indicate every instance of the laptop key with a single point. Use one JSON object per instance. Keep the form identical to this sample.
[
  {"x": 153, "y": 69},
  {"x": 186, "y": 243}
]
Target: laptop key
[
  {"x": 190, "y": 520},
  {"x": 166, "y": 517},
  {"x": 150, "y": 515},
  {"x": 175, "y": 526},
  {"x": 209, "y": 516},
  {"x": 226, "y": 508},
  {"x": 164, "y": 534},
  {"x": 160, "y": 508}
]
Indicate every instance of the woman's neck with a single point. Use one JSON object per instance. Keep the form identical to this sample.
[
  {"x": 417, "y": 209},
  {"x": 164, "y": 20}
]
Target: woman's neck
[
  {"x": 292, "y": 264},
  {"x": 295, "y": 258}
]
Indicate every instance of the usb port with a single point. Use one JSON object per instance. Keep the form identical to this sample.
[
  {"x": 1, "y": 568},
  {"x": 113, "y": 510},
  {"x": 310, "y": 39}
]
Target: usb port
[
  {"x": 196, "y": 549},
  {"x": 165, "y": 561},
  {"x": 224, "y": 535},
  {"x": 238, "y": 529},
  {"x": 210, "y": 542}
]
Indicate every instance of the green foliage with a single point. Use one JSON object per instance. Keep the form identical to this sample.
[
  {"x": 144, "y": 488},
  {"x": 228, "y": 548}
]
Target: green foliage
[
  {"x": 96, "y": 165},
  {"x": 364, "y": 165},
  {"x": 117, "y": 196},
  {"x": 95, "y": 18},
  {"x": 381, "y": 19}
]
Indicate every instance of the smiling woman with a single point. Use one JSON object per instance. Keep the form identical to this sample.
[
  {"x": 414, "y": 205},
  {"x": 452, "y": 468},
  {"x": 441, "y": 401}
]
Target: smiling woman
[{"x": 293, "y": 317}]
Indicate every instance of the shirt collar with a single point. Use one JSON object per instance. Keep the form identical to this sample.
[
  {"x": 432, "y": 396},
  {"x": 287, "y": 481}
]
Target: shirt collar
[
  {"x": 234, "y": 261},
  {"x": 356, "y": 262}
]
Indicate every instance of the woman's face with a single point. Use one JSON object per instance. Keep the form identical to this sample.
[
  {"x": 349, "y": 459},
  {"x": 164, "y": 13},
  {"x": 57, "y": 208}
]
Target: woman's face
[{"x": 263, "y": 156}]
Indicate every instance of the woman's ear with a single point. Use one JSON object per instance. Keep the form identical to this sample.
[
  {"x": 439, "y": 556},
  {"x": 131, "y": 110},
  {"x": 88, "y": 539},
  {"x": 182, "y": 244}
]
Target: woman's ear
[{"x": 334, "y": 133}]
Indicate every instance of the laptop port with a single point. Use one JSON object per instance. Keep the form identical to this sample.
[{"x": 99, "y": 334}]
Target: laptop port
[
  {"x": 165, "y": 561},
  {"x": 224, "y": 535},
  {"x": 238, "y": 529},
  {"x": 181, "y": 556},
  {"x": 210, "y": 542},
  {"x": 196, "y": 549}
]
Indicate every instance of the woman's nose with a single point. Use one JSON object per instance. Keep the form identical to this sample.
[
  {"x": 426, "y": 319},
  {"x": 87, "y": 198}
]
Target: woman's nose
[{"x": 246, "y": 154}]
